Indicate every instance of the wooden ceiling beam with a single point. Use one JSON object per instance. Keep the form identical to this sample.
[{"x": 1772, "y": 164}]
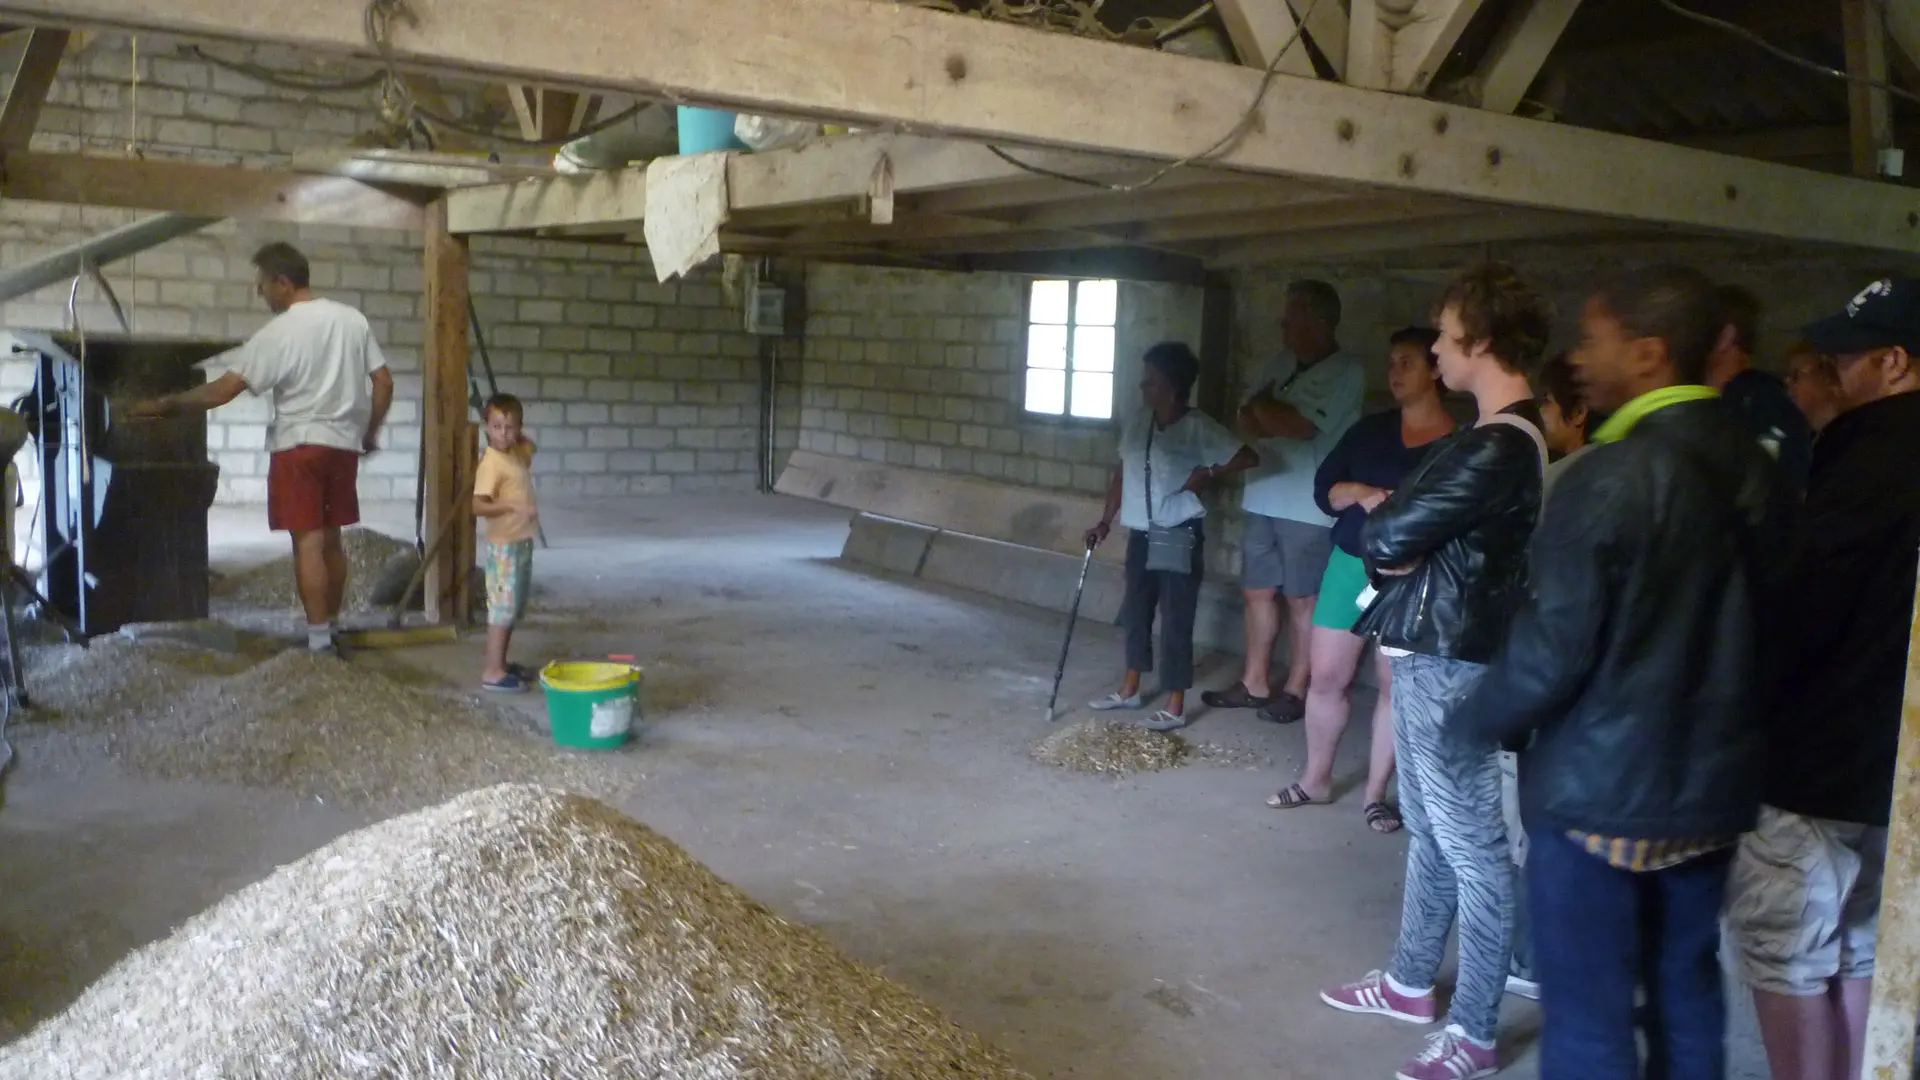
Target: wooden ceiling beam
[
  {"x": 1520, "y": 50},
  {"x": 1263, "y": 29},
  {"x": 1421, "y": 44},
  {"x": 31, "y": 81},
  {"x": 1126, "y": 264},
  {"x": 1155, "y": 205},
  {"x": 1326, "y": 22},
  {"x": 902, "y": 229},
  {"x": 1321, "y": 244},
  {"x": 930, "y": 176},
  {"x": 1030, "y": 190},
  {"x": 1365, "y": 210},
  {"x": 550, "y": 115},
  {"x": 213, "y": 191},
  {"x": 974, "y": 78},
  {"x": 1369, "y": 46}
]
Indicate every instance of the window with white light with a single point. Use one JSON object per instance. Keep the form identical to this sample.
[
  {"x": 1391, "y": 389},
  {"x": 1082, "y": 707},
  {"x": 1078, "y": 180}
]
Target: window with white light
[{"x": 1070, "y": 348}]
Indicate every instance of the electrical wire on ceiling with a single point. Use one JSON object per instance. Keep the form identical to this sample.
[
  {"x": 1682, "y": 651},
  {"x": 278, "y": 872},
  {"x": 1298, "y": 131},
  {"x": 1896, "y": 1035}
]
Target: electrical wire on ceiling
[
  {"x": 1786, "y": 54},
  {"x": 1226, "y": 142},
  {"x": 306, "y": 84}
]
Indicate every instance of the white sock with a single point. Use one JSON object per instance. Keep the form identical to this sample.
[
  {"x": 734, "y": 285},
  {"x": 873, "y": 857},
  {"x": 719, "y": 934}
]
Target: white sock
[
  {"x": 319, "y": 638},
  {"x": 1404, "y": 990},
  {"x": 1484, "y": 1044}
]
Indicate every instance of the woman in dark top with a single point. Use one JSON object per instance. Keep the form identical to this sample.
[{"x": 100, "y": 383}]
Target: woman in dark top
[{"x": 1357, "y": 475}]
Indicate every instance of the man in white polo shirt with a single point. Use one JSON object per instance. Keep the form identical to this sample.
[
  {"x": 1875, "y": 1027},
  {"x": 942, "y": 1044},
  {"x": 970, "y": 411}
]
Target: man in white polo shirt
[
  {"x": 1299, "y": 407},
  {"x": 330, "y": 388}
]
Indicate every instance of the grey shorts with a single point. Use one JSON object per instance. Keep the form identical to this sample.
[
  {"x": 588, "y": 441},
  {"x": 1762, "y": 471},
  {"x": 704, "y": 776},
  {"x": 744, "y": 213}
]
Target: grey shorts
[
  {"x": 1279, "y": 553},
  {"x": 1803, "y": 902}
]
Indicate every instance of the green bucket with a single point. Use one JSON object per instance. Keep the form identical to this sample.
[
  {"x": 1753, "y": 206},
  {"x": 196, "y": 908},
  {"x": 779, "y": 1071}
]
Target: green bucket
[{"x": 592, "y": 705}]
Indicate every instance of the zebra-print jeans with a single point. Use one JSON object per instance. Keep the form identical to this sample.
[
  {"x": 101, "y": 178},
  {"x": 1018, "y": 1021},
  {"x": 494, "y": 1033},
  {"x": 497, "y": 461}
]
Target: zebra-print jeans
[{"x": 1458, "y": 861}]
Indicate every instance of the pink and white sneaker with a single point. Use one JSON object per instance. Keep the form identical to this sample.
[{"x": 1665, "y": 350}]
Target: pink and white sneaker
[
  {"x": 1450, "y": 1055},
  {"x": 1375, "y": 996}
]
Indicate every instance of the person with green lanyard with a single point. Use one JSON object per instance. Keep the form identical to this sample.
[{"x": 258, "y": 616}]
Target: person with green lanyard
[{"x": 1639, "y": 666}]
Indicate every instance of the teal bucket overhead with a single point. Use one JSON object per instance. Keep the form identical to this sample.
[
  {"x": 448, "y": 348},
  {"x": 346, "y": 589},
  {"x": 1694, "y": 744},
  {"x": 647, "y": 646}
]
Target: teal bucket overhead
[{"x": 702, "y": 130}]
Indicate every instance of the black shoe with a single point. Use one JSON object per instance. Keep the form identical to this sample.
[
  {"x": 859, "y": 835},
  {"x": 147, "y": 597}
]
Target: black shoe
[
  {"x": 1233, "y": 697},
  {"x": 1282, "y": 708}
]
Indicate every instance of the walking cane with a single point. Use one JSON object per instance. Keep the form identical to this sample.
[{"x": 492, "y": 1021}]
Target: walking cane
[{"x": 1073, "y": 613}]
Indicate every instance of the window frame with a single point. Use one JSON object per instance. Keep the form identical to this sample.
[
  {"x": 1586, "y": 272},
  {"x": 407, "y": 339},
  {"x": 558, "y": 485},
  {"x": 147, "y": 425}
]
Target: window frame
[{"x": 1065, "y": 417}]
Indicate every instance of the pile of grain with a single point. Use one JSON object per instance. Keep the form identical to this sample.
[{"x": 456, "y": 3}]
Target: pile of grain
[
  {"x": 348, "y": 734},
  {"x": 1111, "y": 747},
  {"x": 270, "y": 587},
  {"x": 511, "y": 934}
]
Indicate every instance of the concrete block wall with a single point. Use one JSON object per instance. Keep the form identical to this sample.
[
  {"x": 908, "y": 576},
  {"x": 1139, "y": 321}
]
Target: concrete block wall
[
  {"x": 927, "y": 369},
  {"x": 631, "y": 387},
  {"x": 157, "y": 95}
]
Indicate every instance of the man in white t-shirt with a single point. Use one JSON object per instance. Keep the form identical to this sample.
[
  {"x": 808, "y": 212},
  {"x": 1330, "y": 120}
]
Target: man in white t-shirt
[
  {"x": 1299, "y": 407},
  {"x": 330, "y": 388}
]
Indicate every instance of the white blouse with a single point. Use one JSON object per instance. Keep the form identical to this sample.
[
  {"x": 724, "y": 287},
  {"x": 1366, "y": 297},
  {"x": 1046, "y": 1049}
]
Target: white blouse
[{"x": 1194, "y": 441}]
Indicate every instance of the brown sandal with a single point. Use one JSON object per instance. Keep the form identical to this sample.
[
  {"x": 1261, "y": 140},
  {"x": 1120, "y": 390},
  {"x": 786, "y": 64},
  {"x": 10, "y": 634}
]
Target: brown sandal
[{"x": 1289, "y": 797}]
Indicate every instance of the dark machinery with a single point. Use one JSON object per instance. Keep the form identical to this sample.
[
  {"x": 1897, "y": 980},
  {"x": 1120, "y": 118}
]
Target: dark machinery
[{"x": 124, "y": 505}]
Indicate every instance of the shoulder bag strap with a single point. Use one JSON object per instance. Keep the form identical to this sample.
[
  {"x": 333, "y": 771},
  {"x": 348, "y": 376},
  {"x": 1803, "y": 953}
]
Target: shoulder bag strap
[
  {"x": 1149, "y": 469},
  {"x": 1539, "y": 442}
]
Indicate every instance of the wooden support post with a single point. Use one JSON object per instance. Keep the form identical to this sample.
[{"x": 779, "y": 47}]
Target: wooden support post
[
  {"x": 21, "y": 113},
  {"x": 1870, "y": 110},
  {"x": 449, "y": 431},
  {"x": 1896, "y": 979}
]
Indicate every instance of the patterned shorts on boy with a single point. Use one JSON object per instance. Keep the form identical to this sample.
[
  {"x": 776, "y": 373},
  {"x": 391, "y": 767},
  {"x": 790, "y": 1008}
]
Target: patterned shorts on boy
[{"x": 509, "y": 581}]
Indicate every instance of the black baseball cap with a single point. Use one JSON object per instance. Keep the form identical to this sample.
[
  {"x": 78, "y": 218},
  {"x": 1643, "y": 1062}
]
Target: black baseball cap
[{"x": 1880, "y": 316}]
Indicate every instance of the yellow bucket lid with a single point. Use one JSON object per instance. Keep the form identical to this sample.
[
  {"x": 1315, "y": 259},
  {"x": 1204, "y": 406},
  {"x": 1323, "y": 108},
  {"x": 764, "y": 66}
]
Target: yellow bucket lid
[{"x": 589, "y": 676}]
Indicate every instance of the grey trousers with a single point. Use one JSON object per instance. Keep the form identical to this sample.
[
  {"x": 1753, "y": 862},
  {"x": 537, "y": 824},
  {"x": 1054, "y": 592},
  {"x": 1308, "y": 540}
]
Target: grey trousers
[
  {"x": 1176, "y": 597},
  {"x": 1458, "y": 861}
]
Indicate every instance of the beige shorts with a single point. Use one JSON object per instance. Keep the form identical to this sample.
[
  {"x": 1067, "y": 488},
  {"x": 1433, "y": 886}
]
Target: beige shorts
[{"x": 1803, "y": 902}]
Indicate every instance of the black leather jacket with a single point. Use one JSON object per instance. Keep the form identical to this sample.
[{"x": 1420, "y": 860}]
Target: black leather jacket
[
  {"x": 1464, "y": 515},
  {"x": 1642, "y": 657}
]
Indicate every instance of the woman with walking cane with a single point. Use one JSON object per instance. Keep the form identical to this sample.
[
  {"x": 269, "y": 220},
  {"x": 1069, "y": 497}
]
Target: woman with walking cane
[{"x": 1170, "y": 452}]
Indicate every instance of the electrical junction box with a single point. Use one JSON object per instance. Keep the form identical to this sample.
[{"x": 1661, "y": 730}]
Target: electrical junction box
[{"x": 766, "y": 310}]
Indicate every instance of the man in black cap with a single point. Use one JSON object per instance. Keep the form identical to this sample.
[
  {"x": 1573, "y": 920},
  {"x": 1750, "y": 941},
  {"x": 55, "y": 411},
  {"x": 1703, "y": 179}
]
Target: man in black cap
[{"x": 1804, "y": 899}]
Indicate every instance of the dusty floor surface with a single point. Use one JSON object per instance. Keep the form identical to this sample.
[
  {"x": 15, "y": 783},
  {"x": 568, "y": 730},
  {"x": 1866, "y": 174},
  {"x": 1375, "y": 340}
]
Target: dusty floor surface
[{"x": 853, "y": 751}]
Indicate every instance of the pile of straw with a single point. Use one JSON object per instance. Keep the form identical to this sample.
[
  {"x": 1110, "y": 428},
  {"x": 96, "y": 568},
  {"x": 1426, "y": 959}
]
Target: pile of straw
[
  {"x": 270, "y": 587},
  {"x": 1111, "y": 747},
  {"x": 511, "y": 934},
  {"x": 348, "y": 734}
]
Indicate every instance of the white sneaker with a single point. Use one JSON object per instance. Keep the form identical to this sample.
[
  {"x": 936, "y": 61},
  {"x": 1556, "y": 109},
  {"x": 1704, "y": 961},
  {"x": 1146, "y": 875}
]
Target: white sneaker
[
  {"x": 1526, "y": 988},
  {"x": 1115, "y": 701}
]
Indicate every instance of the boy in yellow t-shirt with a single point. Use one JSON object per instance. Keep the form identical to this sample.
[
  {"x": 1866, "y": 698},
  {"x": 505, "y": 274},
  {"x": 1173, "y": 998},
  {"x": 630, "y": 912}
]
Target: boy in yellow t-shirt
[{"x": 503, "y": 495}]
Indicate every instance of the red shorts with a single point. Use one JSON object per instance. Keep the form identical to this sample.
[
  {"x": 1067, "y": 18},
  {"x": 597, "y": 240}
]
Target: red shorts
[{"x": 313, "y": 487}]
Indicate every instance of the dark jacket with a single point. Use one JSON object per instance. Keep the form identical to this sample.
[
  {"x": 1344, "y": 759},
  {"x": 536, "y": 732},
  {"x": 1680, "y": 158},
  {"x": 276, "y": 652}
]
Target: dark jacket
[
  {"x": 1373, "y": 452},
  {"x": 1849, "y": 597},
  {"x": 1464, "y": 515},
  {"x": 1642, "y": 655},
  {"x": 1761, "y": 397}
]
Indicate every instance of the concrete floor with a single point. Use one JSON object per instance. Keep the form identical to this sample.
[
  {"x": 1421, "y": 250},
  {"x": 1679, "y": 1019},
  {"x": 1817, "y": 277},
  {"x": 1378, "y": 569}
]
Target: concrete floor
[{"x": 852, "y": 751}]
